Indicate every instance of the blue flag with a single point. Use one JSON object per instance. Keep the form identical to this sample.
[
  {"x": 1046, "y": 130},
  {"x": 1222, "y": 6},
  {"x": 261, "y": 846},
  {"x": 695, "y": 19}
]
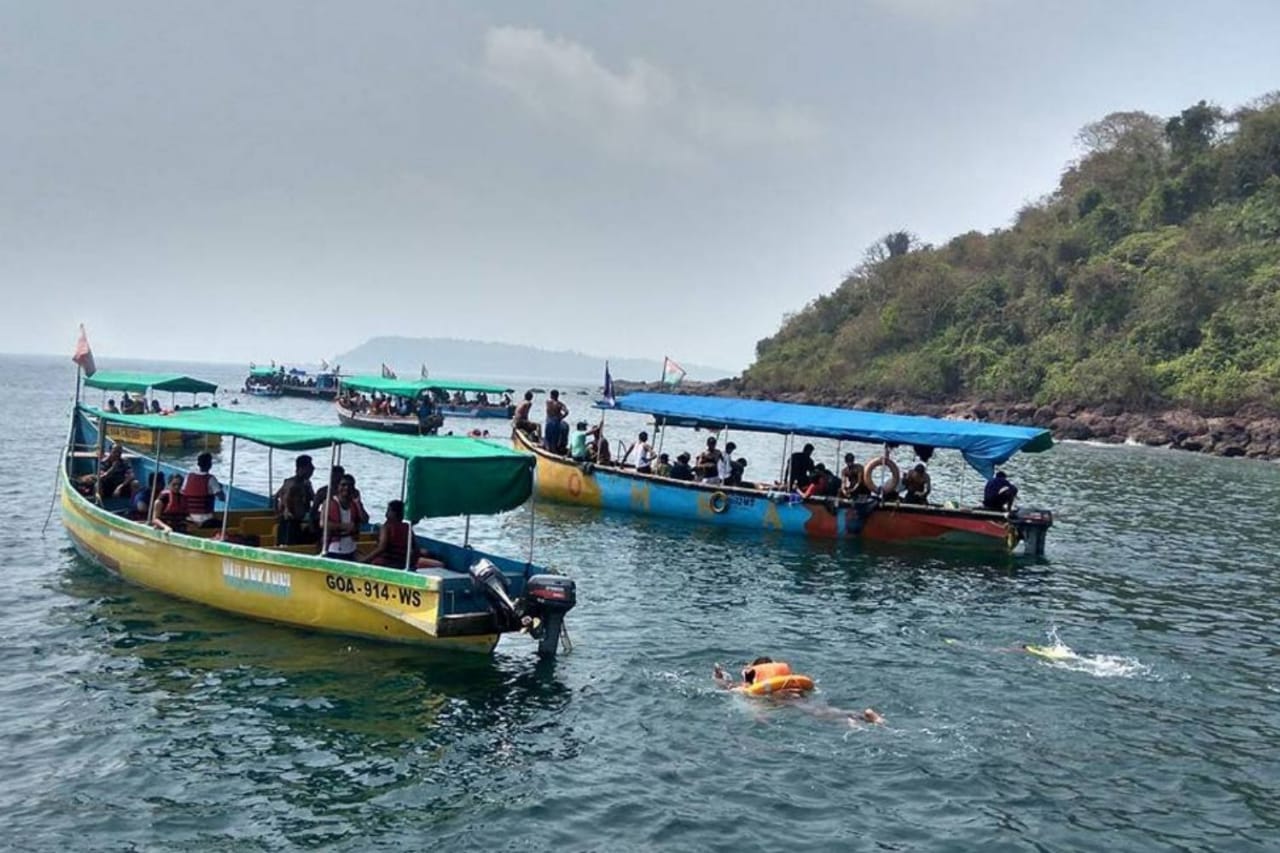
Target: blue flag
[{"x": 608, "y": 387}]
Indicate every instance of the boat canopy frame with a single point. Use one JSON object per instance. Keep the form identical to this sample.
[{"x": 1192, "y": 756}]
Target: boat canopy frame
[
  {"x": 983, "y": 445},
  {"x": 414, "y": 387},
  {"x": 117, "y": 380},
  {"x": 444, "y": 475}
]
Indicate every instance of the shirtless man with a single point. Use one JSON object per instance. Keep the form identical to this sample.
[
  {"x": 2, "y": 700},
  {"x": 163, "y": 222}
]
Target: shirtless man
[
  {"x": 522, "y": 421},
  {"x": 293, "y": 506},
  {"x": 555, "y": 432}
]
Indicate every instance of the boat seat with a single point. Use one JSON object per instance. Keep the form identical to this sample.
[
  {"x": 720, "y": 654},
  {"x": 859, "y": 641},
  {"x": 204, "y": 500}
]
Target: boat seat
[{"x": 259, "y": 524}]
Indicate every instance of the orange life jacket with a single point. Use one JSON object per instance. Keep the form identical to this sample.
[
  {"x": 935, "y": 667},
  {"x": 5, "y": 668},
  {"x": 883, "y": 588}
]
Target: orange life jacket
[
  {"x": 196, "y": 494},
  {"x": 762, "y": 671},
  {"x": 174, "y": 509}
]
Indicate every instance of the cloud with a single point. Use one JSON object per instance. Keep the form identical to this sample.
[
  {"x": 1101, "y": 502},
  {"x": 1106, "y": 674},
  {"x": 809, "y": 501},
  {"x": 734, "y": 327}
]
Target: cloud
[{"x": 641, "y": 111}]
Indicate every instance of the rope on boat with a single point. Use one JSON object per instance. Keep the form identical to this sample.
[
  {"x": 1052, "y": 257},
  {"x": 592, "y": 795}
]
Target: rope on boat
[{"x": 57, "y": 473}]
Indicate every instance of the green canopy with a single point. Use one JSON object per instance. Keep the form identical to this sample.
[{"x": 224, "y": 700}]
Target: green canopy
[
  {"x": 262, "y": 371},
  {"x": 414, "y": 387},
  {"x": 447, "y": 475},
  {"x": 114, "y": 380}
]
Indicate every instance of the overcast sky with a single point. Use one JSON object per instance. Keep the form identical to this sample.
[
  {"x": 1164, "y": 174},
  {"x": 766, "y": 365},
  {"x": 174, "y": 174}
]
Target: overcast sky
[{"x": 257, "y": 180}]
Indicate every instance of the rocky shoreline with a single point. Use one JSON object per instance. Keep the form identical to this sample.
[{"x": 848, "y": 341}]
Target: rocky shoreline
[{"x": 1254, "y": 434}]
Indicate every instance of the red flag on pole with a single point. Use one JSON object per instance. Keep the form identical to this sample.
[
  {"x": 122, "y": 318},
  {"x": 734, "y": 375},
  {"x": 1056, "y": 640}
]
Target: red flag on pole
[{"x": 84, "y": 355}]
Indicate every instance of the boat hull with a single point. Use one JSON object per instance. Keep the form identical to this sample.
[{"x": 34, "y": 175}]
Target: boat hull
[
  {"x": 170, "y": 439},
  {"x": 309, "y": 393},
  {"x": 500, "y": 412},
  {"x": 273, "y": 586},
  {"x": 379, "y": 423},
  {"x": 564, "y": 481}
]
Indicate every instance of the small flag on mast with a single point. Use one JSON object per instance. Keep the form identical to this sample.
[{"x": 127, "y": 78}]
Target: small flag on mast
[
  {"x": 324, "y": 366},
  {"x": 424, "y": 372},
  {"x": 609, "y": 397},
  {"x": 387, "y": 372},
  {"x": 83, "y": 355},
  {"x": 672, "y": 373}
]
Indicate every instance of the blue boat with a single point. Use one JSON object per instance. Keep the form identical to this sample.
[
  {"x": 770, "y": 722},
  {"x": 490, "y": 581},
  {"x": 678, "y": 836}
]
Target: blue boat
[{"x": 876, "y": 516}]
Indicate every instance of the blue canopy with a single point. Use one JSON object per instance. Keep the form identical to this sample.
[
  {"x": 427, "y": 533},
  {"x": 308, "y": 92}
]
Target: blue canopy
[{"x": 983, "y": 445}]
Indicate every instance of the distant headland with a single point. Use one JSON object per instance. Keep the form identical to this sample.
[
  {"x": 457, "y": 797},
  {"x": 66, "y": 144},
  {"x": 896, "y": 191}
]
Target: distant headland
[{"x": 454, "y": 358}]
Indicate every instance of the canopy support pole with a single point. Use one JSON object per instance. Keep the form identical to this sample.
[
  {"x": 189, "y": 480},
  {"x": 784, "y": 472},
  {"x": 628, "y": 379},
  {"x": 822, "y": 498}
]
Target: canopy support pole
[
  {"x": 151, "y": 499},
  {"x": 786, "y": 460},
  {"x": 231, "y": 487},
  {"x": 328, "y": 497},
  {"x": 271, "y": 491},
  {"x": 102, "y": 449},
  {"x": 404, "y": 492},
  {"x": 466, "y": 535},
  {"x": 533, "y": 505},
  {"x": 662, "y": 433}
]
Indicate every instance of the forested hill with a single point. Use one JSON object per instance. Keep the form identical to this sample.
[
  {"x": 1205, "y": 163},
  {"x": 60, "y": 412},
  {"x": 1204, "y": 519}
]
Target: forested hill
[{"x": 1150, "y": 278}]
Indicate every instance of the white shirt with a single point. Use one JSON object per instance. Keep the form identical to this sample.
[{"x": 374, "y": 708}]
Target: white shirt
[
  {"x": 644, "y": 456},
  {"x": 724, "y": 466}
]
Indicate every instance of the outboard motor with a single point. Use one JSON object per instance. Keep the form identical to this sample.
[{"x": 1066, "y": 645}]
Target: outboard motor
[
  {"x": 540, "y": 611},
  {"x": 1032, "y": 524},
  {"x": 547, "y": 598}
]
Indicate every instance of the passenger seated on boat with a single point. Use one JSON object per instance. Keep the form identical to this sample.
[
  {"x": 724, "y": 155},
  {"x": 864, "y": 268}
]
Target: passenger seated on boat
[
  {"x": 114, "y": 477},
  {"x": 199, "y": 491},
  {"x": 111, "y": 407},
  {"x": 999, "y": 493},
  {"x": 736, "y": 469},
  {"x": 293, "y": 506},
  {"x": 579, "y": 448},
  {"x": 851, "y": 484},
  {"x": 822, "y": 484},
  {"x": 681, "y": 470},
  {"x": 141, "y": 502},
  {"x": 362, "y": 515},
  {"x": 393, "y": 540},
  {"x": 482, "y": 399},
  {"x": 155, "y": 406},
  {"x": 343, "y": 524},
  {"x": 663, "y": 466},
  {"x": 522, "y": 421},
  {"x": 708, "y": 465},
  {"x": 599, "y": 449},
  {"x": 169, "y": 512},
  {"x": 916, "y": 485},
  {"x": 336, "y": 473},
  {"x": 800, "y": 468}
]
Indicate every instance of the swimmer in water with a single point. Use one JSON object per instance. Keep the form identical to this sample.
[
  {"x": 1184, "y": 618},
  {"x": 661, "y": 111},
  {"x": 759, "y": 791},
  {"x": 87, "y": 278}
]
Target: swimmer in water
[{"x": 766, "y": 667}]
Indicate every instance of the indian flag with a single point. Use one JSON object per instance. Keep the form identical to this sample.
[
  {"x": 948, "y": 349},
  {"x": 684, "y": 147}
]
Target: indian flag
[{"x": 672, "y": 373}]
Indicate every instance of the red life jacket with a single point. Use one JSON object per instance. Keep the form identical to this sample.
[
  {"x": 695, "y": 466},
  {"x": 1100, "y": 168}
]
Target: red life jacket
[
  {"x": 397, "y": 545},
  {"x": 174, "y": 507},
  {"x": 196, "y": 494}
]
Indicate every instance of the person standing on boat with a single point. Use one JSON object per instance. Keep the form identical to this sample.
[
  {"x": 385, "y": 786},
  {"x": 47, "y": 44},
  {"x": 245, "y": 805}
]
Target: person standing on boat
[
  {"x": 343, "y": 523},
  {"x": 644, "y": 454},
  {"x": 522, "y": 421},
  {"x": 725, "y": 464},
  {"x": 851, "y": 484},
  {"x": 293, "y": 505},
  {"x": 708, "y": 464},
  {"x": 555, "y": 432},
  {"x": 999, "y": 493},
  {"x": 200, "y": 489},
  {"x": 800, "y": 470}
]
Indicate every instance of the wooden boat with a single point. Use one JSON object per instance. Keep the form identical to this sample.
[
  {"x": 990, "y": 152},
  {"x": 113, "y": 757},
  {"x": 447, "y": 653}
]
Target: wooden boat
[
  {"x": 293, "y": 382},
  {"x": 239, "y": 567},
  {"x": 144, "y": 384},
  {"x": 438, "y": 394},
  {"x": 870, "y": 518}
]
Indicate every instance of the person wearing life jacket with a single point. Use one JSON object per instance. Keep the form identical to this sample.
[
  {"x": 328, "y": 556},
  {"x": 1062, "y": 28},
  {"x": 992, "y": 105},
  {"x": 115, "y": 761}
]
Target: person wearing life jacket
[
  {"x": 395, "y": 540},
  {"x": 763, "y": 668},
  {"x": 343, "y": 523},
  {"x": 199, "y": 491},
  {"x": 170, "y": 512}
]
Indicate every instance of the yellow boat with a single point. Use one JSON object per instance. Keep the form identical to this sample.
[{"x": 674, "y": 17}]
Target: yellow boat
[
  {"x": 143, "y": 383},
  {"x": 237, "y": 565}
]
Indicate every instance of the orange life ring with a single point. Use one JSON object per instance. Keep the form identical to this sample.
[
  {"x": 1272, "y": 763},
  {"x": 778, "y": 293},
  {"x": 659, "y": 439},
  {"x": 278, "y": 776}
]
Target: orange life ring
[
  {"x": 719, "y": 502},
  {"x": 894, "y": 474},
  {"x": 575, "y": 484},
  {"x": 779, "y": 684}
]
